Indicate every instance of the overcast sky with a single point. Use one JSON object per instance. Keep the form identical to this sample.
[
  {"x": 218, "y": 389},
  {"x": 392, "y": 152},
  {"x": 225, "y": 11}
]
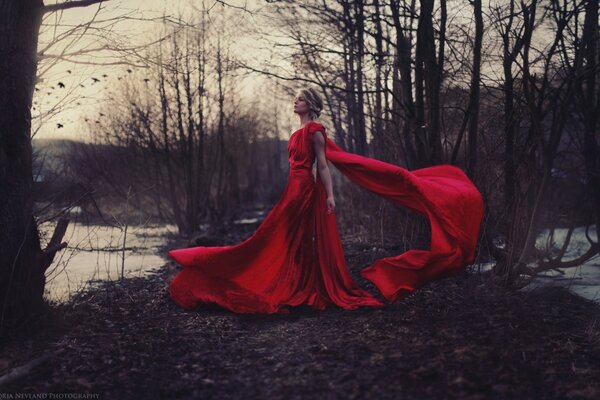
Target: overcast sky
[{"x": 87, "y": 85}]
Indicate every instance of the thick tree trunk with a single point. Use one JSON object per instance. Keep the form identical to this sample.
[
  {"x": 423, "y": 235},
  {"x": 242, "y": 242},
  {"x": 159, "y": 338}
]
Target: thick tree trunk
[
  {"x": 427, "y": 75},
  {"x": 403, "y": 105},
  {"x": 379, "y": 62},
  {"x": 21, "y": 270},
  {"x": 591, "y": 106},
  {"x": 475, "y": 85}
]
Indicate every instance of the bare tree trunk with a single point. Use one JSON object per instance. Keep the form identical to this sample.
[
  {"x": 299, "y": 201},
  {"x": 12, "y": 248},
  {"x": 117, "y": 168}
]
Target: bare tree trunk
[
  {"x": 509, "y": 117},
  {"x": 192, "y": 204},
  {"x": 379, "y": 61},
  {"x": 437, "y": 73},
  {"x": 431, "y": 74},
  {"x": 361, "y": 133},
  {"x": 350, "y": 78},
  {"x": 404, "y": 111},
  {"x": 518, "y": 223},
  {"x": 185, "y": 159},
  {"x": 219, "y": 210},
  {"x": 21, "y": 276},
  {"x": 201, "y": 173},
  {"x": 166, "y": 142},
  {"x": 590, "y": 104},
  {"x": 473, "y": 113},
  {"x": 546, "y": 129},
  {"x": 420, "y": 131}
]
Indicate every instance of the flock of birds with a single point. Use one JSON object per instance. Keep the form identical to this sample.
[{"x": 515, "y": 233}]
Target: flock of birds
[{"x": 94, "y": 80}]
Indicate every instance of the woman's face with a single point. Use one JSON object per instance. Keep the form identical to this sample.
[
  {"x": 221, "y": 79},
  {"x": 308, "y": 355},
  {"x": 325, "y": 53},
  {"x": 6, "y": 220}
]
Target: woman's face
[{"x": 300, "y": 104}]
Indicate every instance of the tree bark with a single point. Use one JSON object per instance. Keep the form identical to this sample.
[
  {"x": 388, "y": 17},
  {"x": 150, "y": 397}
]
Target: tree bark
[
  {"x": 403, "y": 106},
  {"x": 591, "y": 106},
  {"x": 379, "y": 62},
  {"x": 475, "y": 85},
  {"x": 22, "y": 278},
  {"x": 361, "y": 133}
]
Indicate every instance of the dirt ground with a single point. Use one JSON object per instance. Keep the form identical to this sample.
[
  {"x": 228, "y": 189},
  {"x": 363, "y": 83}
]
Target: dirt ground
[{"x": 461, "y": 337}]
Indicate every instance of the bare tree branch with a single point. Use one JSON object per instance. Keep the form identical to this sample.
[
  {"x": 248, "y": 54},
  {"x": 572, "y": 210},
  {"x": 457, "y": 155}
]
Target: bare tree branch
[{"x": 64, "y": 6}]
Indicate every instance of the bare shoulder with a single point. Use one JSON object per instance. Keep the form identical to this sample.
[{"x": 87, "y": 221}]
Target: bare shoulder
[{"x": 318, "y": 137}]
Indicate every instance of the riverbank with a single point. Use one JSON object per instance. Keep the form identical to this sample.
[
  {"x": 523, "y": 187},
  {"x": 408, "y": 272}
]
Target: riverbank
[{"x": 457, "y": 338}]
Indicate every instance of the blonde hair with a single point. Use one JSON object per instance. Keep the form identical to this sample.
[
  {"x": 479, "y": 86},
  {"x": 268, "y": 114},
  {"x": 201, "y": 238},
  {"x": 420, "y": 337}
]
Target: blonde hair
[{"x": 314, "y": 101}]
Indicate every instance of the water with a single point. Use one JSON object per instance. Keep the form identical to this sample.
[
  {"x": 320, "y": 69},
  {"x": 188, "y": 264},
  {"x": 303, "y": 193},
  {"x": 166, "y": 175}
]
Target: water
[
  {"x": 583, "y": 280},
  {"x": 94, "y": 252}
]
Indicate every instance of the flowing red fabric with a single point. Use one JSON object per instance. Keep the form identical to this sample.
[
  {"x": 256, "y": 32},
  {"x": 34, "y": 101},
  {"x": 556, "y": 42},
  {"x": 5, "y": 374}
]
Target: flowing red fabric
[{"x": 295, "y": 256}]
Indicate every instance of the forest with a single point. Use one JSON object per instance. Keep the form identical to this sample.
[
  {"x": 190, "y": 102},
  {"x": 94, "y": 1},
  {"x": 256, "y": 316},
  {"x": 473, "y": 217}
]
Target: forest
[{"x": 188, "y": 130}]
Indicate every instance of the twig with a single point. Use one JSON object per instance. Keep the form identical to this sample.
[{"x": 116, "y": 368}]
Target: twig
[{"x": 24, "y": 369}]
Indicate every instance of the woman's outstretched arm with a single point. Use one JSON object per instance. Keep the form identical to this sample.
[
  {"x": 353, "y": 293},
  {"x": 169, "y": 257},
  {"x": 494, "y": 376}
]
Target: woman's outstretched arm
[{"x": 323, "y": 169}]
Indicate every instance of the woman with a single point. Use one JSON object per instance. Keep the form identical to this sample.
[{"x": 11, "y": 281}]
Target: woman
[{"x": 295, "y": 256}]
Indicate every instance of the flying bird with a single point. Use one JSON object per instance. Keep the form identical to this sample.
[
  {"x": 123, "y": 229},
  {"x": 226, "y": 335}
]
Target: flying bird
[
  {"x": 59, "y": 126},
  {"x": 61, "y": 85}
]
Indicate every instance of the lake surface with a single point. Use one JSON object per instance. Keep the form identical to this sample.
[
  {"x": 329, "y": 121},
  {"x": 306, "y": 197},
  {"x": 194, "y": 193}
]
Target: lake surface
[
  {"x": 583, "y": 280},
  {"x": 94, "y": 253}
]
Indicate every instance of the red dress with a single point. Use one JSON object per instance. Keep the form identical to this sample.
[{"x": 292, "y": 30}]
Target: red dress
[{"x": 281, "y": 264}]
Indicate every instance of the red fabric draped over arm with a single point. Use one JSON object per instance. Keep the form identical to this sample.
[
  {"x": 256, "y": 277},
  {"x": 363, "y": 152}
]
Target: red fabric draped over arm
[{"x": 442, "y": 193}]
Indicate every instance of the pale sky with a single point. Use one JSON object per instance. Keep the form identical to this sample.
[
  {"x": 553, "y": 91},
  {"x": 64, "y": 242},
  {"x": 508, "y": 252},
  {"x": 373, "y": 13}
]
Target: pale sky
[
  {"x": 255, "y": 49},
  {"x": 87, "y": 94}
]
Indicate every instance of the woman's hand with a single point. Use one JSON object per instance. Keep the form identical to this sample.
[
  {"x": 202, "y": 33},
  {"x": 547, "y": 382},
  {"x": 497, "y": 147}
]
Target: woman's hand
[{"x": 330, "y": 205}]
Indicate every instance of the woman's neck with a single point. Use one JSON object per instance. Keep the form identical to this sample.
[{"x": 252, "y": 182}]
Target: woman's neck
[{"x": 304, "y": 121}]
